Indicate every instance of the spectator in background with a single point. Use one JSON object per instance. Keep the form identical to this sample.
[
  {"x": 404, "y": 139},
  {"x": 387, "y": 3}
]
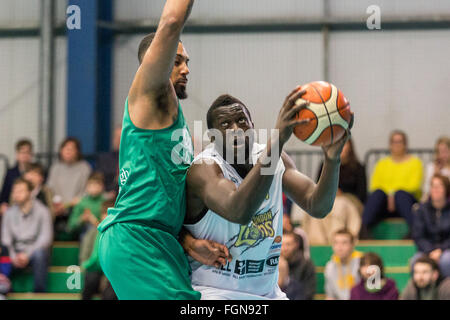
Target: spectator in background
[
  {"x": 292, "y": 288},
  {"x": 289, "y": 227},
  {"x": 36, "y": 175},
  {"x": 352, "y": 176},
  {"x": 395, "y": 185},
  {"x": 108, "y": 164},
  {"x": 343, "y": 215},
  {"x": 373, "y": 284},
  {"x": 426, "y": 283},
  {"x": 27, "y": 233},
  {"x": 301, "y": 269},
  {"x": 431, "y": 227},
  {"x": 342, "y": 271},
  {"x": 24, "y": 156},
  {"x": 5, "y": 271},
  {"x": 95, "y": 280},
  {"x": 67, "y": 181},
  {"x": 440, "y": 164},
  {"x": 87, "y": 213}
]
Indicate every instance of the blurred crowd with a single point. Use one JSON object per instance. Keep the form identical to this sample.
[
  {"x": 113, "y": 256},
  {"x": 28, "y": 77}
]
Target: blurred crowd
[
  {"x": 400, "y": 186},
  {"x": 66, "y": 205},
  {"x": 69, "y": 202}
]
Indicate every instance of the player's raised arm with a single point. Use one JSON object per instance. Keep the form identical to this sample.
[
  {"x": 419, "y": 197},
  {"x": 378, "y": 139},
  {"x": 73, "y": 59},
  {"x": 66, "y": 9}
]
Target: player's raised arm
[
  {"x": 206, "y": 181},
  {"x": 316, "y": 199},
  {"x": 152, "y": 95}
]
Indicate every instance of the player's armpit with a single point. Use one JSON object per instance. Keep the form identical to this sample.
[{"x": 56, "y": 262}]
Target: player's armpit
[{"x": 206, "y": 182}]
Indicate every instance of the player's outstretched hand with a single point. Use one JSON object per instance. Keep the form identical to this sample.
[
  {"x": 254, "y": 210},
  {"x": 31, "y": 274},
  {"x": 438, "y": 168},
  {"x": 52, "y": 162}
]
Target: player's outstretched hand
[
  {"x": 287, "y": 117},
  {"x": 210, "y": 253},
  {"x": 333, "y": 151}
]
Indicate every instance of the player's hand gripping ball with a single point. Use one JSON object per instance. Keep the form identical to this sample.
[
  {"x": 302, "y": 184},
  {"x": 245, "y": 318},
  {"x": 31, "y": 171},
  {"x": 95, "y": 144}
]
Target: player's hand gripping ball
[{"x": 328, "y": 111}]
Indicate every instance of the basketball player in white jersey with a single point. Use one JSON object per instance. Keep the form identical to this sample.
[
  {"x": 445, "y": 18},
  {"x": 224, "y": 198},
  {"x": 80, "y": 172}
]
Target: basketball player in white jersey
[{"x": 236, "y": 205}]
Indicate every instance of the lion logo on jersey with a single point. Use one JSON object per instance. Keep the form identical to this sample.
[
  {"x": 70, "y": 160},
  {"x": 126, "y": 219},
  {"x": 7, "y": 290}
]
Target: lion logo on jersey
[{"x": 259, "y": 229}]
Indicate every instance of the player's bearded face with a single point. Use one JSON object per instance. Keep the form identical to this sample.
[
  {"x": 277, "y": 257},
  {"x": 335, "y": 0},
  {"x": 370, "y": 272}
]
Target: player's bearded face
[{"x": 180, "y": 72}]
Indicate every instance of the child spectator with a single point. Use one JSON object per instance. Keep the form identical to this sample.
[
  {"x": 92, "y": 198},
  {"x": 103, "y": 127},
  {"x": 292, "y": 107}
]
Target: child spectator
[
  {"x": 27, "y": 233},
  {"x": 36, "y": 175},
  {"x": 440, "y": 164},
  {"x": 301, "y": 269},
  {"x": 342, "y": 271},
  {"x": 67, "y": 181},
  {"x": 395, "y": 185},
  {"x": 288, "y": 227},
  {"x": 426, "y": 283},
  {"x": 292, "y": 288},
  {"x": 431, "y": 227},
  {"x": 373, "y": 284},
  {"x": 87, "y": 213},
  {"x": 5, "y": 271},
  {"x": 24, "y": 156},
  {"x": 90, "y": 263}
]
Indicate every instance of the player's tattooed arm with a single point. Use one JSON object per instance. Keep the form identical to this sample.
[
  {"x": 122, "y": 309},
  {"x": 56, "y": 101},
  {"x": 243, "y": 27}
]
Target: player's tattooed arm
[{"x": 206, "y": 252}]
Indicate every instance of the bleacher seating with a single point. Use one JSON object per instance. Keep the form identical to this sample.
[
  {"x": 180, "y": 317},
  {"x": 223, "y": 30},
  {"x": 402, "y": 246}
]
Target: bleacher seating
[
  {"x": 395, "y": 254},
  {"x": 388, "y": 234}
]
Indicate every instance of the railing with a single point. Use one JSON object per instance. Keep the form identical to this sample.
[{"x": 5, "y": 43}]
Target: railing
[
  {"x": 373, "y": 155},
  {"x": 307, "y": 161}
]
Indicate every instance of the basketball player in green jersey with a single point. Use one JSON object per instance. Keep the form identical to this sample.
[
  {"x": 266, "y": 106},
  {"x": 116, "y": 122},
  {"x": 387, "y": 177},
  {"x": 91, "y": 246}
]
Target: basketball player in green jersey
[{"x": 138, "y": 247}]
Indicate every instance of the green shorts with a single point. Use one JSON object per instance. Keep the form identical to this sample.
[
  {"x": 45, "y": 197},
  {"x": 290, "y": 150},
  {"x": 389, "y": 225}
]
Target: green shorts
[{"x": 144, "y": 263}]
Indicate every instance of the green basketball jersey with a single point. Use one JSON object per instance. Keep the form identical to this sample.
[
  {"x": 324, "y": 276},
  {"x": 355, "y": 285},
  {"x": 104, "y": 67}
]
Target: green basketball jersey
[{"x": 153, "y": 165}]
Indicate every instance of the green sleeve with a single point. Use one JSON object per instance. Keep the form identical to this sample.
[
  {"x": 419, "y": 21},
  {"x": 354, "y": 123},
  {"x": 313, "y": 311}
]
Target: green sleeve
[
  {"x": 75, "y": 217},
  {"x": 93, "y": 263}
]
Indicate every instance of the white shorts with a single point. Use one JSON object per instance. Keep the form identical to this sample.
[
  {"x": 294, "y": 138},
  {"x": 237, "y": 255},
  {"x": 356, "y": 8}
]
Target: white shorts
[{"x": 211, "y": 293}]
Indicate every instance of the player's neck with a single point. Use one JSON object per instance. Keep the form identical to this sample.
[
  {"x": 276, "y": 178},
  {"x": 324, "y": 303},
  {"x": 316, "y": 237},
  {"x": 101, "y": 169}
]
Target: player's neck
[{"x": 242, "y": 169}]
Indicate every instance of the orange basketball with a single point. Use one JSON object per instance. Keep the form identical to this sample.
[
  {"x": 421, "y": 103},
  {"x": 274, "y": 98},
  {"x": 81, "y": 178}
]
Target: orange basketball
[{"x": 329, "y": 112}]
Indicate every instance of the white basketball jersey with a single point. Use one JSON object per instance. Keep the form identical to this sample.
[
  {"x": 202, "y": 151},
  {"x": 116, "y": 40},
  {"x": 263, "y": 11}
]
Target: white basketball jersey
[{"x": 255, "y": 248}]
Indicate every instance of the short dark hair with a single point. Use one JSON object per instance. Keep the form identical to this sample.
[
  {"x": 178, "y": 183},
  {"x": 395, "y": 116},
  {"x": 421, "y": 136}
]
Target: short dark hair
[
  {"x": 445, "y": 181},
  {"x": 21, "y": 180},
  {"x": 297, "y": 238},
  {"x": 426, "y": 259},
  {"x": 400, "y": 133},
  {"x": 36, "y": 167},
  {"x": 371, "y": 258},
  {"x": 77, "y": 146},
  {"x": 222, "y": 100},
  {"x": 97, "y": 177},
  {"x": 346, "y": 232},
  {"x": 22, "y": 143},
  {"x": 144, "y": 45}
]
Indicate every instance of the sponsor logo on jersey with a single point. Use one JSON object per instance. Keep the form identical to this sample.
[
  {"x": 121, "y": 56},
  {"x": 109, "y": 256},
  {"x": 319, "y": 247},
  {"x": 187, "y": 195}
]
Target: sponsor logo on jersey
[
  {"x": 123, "y": 176},
  {"x": 273, "y": 261},
  {"x": 259, "y": 229},
  {"x": 248, "y": 266}
]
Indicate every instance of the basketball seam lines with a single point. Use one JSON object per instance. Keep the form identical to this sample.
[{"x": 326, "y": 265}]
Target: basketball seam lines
[{"x": 326, "y": 109}]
